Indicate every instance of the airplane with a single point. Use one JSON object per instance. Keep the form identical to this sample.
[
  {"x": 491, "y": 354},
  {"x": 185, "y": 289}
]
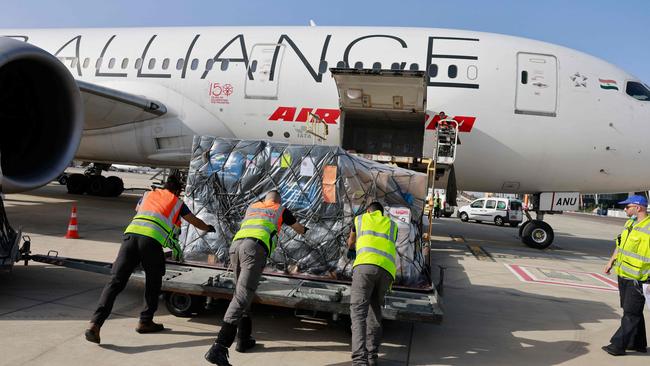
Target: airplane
[{"x": 533, "y": 117}]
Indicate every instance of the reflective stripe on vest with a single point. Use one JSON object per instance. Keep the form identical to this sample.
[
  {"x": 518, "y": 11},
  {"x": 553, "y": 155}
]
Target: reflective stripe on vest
[
  {"x": 376, "y": 237},
  {"x": 633, "y": 251},
  {"x": 262, "y": 221},
  {"x": 158, "y": 217}
]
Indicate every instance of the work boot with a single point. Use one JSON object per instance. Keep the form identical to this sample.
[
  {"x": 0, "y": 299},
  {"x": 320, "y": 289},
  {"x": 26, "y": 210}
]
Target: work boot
[
  {"x": 92, "y": 333},
  {"x": 639, "y": 349},
  {"x": 613, "y": 350},
  {"x": 244, "y": 339},
  {"x": 148, "y": 326},
  {"x": 218, "y": 355}
]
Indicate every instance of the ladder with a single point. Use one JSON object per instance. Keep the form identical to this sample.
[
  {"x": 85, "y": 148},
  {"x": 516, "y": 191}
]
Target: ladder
[{"x": 444, "y": 155}]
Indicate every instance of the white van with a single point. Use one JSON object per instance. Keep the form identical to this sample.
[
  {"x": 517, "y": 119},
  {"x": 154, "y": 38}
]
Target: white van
[{"x": 494, "y": 209}]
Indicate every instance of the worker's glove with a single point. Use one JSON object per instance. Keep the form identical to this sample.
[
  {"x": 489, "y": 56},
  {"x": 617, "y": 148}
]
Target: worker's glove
[
  {"x": 211, "y": 229},
  {"x": 352, "y": 254},
  {"x": 177, "y": 253}
]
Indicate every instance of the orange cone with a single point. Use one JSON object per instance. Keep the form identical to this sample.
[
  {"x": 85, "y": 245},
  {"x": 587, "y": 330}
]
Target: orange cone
[{"x": 72, "y": 226}]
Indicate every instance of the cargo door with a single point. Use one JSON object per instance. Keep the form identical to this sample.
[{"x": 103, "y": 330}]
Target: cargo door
[
  {"x": 536, "y": 84},
  {"x": 382, "y": 111},
  {"x": 262, "y": 79}
]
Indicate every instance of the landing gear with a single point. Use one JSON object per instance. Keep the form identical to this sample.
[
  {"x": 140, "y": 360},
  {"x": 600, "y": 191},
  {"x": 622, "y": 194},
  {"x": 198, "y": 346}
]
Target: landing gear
[
  {"x": 536, "y": 233},
  {"x": 94, "y": 184}
]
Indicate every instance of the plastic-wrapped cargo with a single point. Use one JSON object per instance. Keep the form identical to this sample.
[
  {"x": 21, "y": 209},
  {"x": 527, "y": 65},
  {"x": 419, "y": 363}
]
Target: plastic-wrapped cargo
[{"x": 324, "y": 187}]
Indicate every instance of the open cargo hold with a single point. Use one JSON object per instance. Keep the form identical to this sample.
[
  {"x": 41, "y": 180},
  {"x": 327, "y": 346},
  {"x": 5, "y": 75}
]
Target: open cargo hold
[{"x": 323, "y": 186}]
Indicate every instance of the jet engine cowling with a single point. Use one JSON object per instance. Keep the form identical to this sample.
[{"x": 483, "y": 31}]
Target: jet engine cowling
[{"x": 41, "y": 115}]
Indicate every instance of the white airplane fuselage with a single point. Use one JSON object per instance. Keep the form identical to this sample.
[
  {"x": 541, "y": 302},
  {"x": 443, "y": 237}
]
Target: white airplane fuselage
[{"x": 570, "y": 127}]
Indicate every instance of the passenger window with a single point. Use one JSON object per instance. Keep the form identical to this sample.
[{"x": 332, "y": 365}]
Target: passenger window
[
  {"x": 636, "y": 90},
  {"x": 394, "y": 66},
  {"x": 86, "y": 62},
  {"x": 491, "y": 204},
  {"x": 180, "y": 63},
  {"x": 98, "y": 64},
  {"x": 433, "y": 70},
  {"x": 152, "y": 63},
  {"x": 195, "y": 64},
  {"x": 253, "y": 66},
  {"x": 414, "y": 67},
  {"x": 138, "y": 63},
  {"x": 322, "y": 67},
  {"x": 452, "y": 71},
  {"x": 524, "y": 77},
  {"x": 376, "y": 66},
  {"x": 165, "y": 64},
  {"x": 224, "y": 65},
  {"x": 209, "y": 64},
  {"x": 125, "y": 63},
  {"x": 478, "y": 204},
  {"x": 358, "y": 65},
  {"x": 111, "y": 63},
  {"x": 501, "y": 205},
  {"x": 73, "y": 64},
  {"x": 340, "y": 65}
]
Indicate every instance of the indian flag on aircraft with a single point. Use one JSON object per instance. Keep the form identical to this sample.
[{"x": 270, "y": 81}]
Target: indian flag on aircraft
[{"x": 608, "y": 84}]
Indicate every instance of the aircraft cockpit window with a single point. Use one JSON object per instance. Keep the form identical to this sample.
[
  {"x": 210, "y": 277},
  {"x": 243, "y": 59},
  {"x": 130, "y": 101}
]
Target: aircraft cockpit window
[
  {"x": 86, "y": 62},
  {"x": 414, "y": 67},
  {"x": 452, "y": 71},
  {"x": 125, "y": 63},
  {"x": 152, "y": 63},
  {"x": 195, "y": 64},
  {"x": 165, "y": 64},
  {"x": 433, "y": 70},
  {"x": 111, "y": 63},
  {"x": 638, "y": 91},
  {"x": 180, "y": 63}
]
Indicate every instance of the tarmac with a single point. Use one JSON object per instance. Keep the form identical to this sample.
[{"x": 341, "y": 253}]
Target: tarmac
[{"x": 504, "y": 303}]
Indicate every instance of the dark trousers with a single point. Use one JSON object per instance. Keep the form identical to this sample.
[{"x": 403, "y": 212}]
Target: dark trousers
[
  {"x": 136, "y": 249},
  {"x": 631, "y": 333}
]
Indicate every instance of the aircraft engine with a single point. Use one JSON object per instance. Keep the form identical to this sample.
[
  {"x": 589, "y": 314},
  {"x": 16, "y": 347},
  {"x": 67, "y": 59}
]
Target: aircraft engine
[{"x": 41, "y": 115}]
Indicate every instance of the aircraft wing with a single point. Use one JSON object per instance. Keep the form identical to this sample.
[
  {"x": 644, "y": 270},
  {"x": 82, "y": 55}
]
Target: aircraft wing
[{"x": 105, "y": 107}]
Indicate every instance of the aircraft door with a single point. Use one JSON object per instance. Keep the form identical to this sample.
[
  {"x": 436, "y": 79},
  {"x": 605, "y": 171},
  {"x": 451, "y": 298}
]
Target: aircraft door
[
  {"x": 263, "y": 77},
  {"x": 536, "y": 84}
]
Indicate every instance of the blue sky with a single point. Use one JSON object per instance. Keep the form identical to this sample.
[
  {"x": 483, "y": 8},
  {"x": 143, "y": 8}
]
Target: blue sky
[{"x": 614, "y": 30}]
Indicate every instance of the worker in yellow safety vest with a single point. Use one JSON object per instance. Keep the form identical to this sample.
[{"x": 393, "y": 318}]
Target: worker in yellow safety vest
[
  {"x": 253, "y": 243},
  {"x": 155, "y": 225},
  {"x": 372, "y": 241},
  {"x": 631, "y": 262}
]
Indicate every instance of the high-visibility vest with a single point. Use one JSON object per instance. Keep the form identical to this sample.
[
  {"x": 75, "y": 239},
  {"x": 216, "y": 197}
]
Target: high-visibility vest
[
  {"x": 633, "y": 251},
  {"x": 376, "y": 237},
  {"x": 262, "y": 221},
  {"x": 437, "y": 203},
  {"x": 158, "y": 217}
]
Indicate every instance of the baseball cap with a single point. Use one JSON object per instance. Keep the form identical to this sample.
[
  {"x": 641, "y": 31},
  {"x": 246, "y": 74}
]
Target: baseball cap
[{"x": 635, "y": 200}]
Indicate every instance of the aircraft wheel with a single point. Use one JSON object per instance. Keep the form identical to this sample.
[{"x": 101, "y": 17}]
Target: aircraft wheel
[
  {"x": 97, "y": 186},
  {"x": 76, "y": 183},
  {"x": 537, "y": 234},
  {"x": 115, "y": 186}
]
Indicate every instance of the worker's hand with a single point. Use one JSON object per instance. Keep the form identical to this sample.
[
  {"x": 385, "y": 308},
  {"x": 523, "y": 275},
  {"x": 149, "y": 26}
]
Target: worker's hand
[
  {"x": 177, "y": 253},
  {"x": 211, "y": 229},
  {"x": 608, "y": 267}
]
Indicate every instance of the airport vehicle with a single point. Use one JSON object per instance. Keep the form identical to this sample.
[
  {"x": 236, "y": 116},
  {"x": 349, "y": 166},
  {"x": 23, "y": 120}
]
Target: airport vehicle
[
  {"x": 136, "y": 96},
  {"x": 447, "y": 209},
  {"x": 493, "y": 209}
]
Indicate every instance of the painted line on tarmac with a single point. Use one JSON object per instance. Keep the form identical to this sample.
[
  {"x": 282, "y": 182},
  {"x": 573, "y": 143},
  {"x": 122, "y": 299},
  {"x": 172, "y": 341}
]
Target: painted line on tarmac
[
  {"x": 524, "y": 273},
  {"x": 480, "y": 253},
  {"x": 457, "y": 238}
]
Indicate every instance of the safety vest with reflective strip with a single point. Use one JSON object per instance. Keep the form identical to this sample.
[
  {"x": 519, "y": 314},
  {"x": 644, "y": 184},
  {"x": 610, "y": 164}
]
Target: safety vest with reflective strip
[
  {"x": 158, "y": 217},
  {"x": 376, "y": 237},
  {"x": 262, "y": 221},
  {"x": 633, "y": 251}
]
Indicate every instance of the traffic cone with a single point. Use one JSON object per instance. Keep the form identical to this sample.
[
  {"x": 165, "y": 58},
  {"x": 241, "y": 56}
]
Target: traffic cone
[{"x": 72, "y": 226}]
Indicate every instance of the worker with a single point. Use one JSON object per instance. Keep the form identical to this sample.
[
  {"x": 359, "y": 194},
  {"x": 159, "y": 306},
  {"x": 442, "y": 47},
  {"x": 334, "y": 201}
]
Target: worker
[
  {"x": 155, "y": 225},
  {"x": 631, "y": 262},
  {"x": 437, "y": 206},
  {"x": 253, "y": 243},
  {"x": 373, "y": 237}
]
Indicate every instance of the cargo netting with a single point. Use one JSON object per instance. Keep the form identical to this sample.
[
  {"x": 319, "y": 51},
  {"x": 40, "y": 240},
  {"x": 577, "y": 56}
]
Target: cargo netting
[{"x": 323, "y": 186}]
